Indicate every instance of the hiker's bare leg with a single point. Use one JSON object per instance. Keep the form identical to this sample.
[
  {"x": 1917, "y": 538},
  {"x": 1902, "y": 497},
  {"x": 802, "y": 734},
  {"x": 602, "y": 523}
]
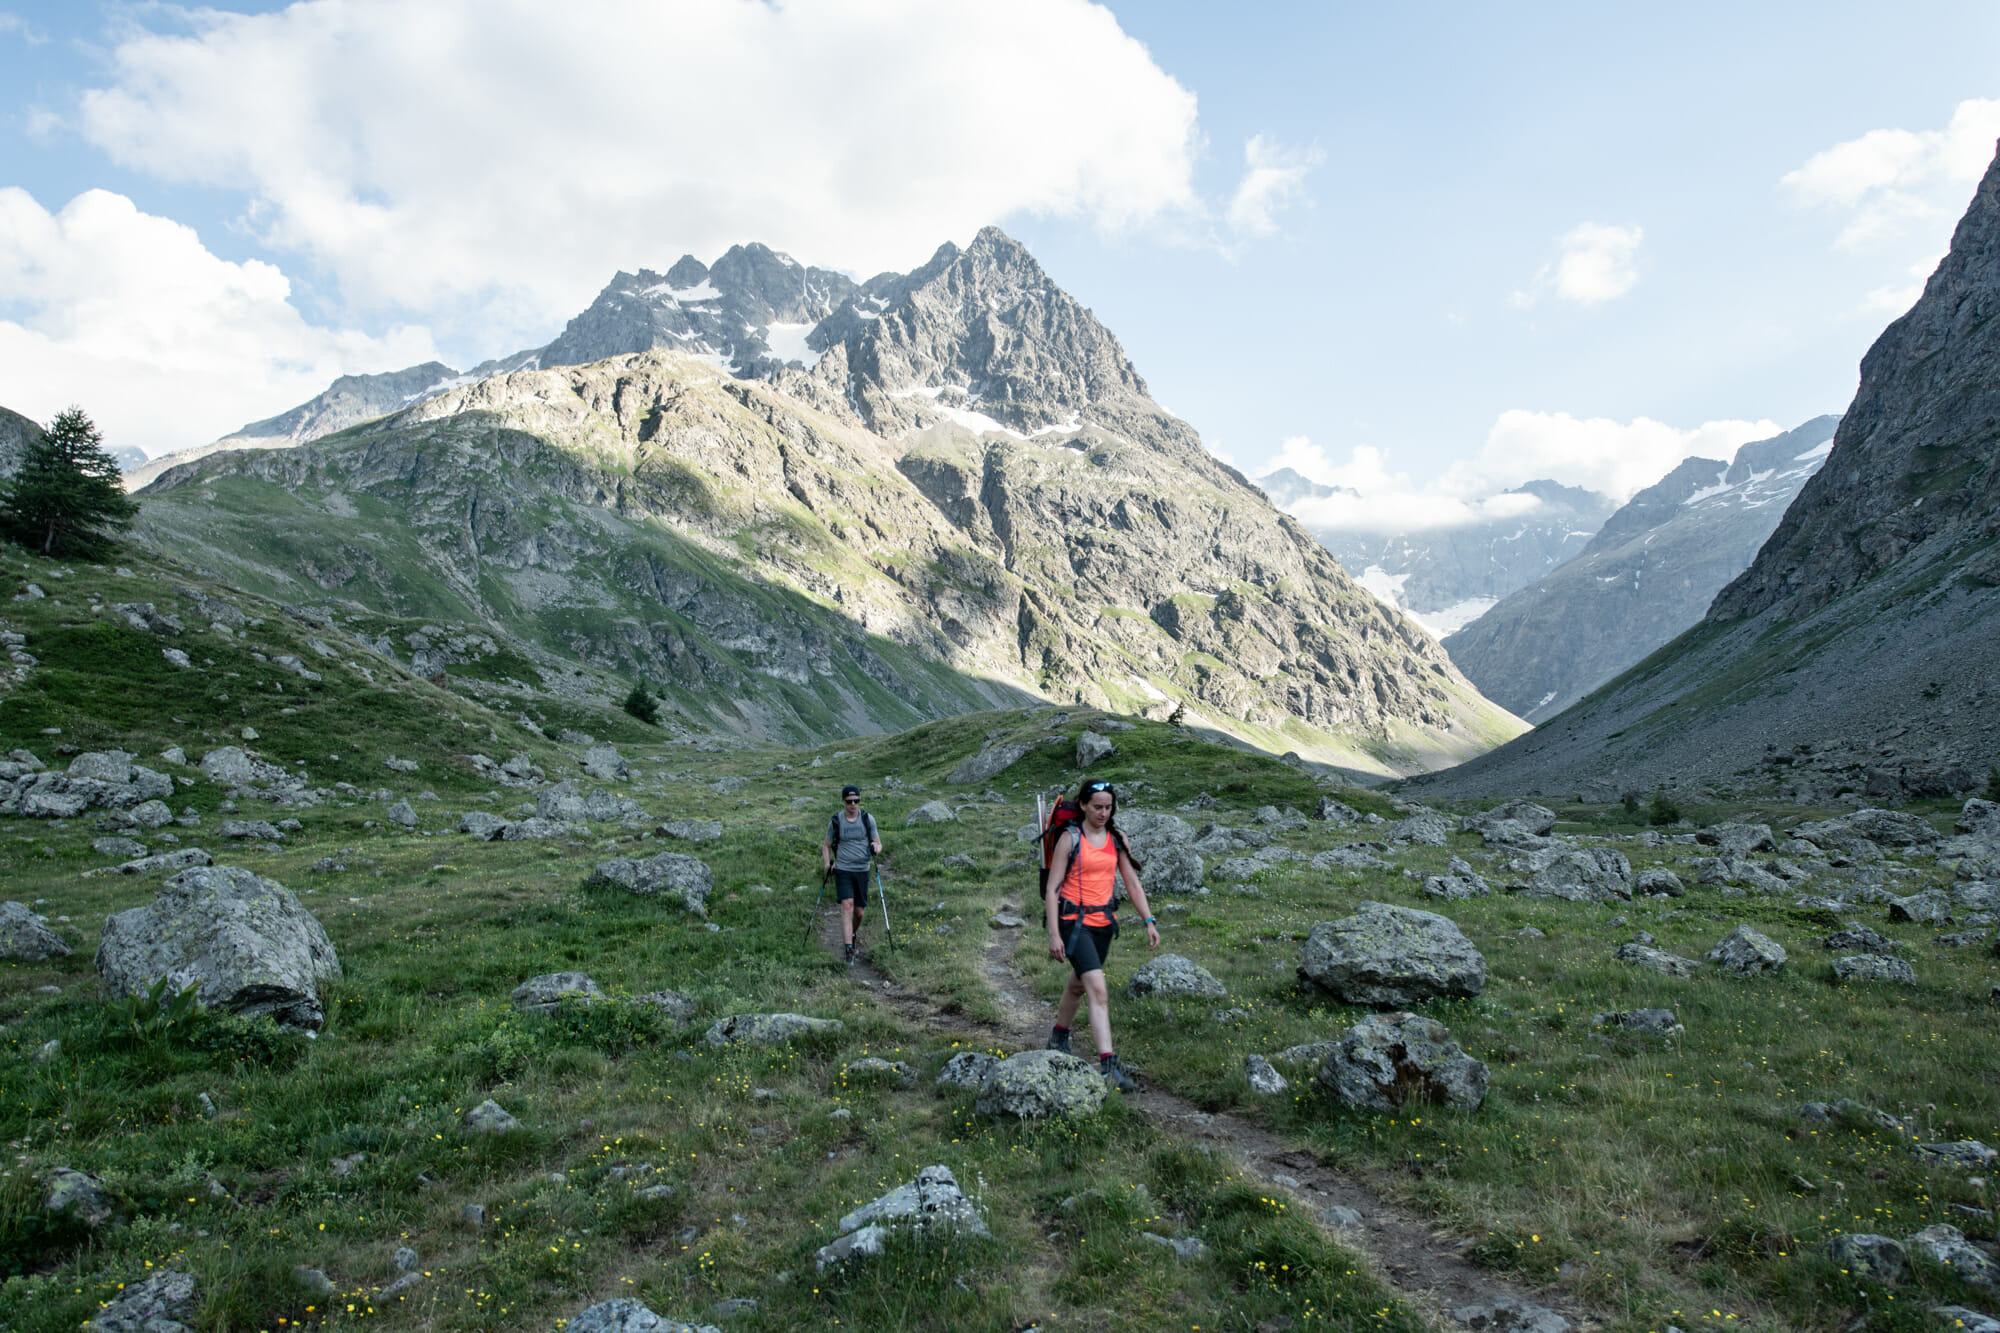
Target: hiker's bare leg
[{"x": 1100, "y": 1008}]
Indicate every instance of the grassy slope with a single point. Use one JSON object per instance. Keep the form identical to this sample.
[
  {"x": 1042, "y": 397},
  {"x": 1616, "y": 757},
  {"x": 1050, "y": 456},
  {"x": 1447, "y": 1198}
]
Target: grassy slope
[{"x": 1664, "y": 1182}]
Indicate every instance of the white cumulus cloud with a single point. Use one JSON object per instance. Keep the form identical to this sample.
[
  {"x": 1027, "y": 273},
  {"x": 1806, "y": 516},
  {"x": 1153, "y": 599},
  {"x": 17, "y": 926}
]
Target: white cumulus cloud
[
  {"x": 163, "y": 343},
  {"x": 1273, "y": 179},
  {"x": 1595, "y": 263},
  {"x": 488, "y": 162},
  {"x": 1890, "y": 181}
]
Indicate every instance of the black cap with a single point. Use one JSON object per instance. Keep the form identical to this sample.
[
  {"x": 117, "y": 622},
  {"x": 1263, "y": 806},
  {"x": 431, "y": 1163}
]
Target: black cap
[{"x": 849, "y": 790}]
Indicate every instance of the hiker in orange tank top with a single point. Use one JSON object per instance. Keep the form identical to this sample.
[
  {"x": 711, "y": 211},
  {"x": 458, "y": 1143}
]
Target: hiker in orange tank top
[{"x": 1079, "y": 907}]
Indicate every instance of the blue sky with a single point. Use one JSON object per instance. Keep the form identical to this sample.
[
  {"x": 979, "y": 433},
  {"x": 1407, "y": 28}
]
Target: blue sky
[{"x": 1437, "y": 249}]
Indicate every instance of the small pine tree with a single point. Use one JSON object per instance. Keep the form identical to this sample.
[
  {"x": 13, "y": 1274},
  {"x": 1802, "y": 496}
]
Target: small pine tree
[
  {"x": 643, "y": 706},
  {"x": 1178, "y": 718},
  {"x": 66, "y": 493},
  {"x": 1665, "y": 809}
]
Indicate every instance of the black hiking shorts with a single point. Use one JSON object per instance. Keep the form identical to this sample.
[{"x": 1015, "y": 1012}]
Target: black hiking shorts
[
  {"x": 1087, "y": 948},
  {"x": 851, "y": 884}
]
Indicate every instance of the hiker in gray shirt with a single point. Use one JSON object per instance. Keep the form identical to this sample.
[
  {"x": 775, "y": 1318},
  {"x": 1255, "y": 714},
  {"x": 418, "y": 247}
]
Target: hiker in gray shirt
[{"x": 852, "y": 843}]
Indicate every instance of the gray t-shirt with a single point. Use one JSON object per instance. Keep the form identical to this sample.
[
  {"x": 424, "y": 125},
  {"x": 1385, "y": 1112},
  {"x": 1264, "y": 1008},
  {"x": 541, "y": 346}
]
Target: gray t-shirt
[{"x": 851, "y": 839}]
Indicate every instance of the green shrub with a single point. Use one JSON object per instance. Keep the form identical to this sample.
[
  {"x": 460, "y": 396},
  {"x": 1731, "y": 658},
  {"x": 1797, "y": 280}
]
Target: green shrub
[
  {"x": 1664, "y": 809},
  {"x": 643, "y": 706}
]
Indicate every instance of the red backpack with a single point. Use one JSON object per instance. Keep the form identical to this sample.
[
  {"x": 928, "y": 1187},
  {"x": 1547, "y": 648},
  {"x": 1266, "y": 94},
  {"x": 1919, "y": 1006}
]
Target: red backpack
[{"x": 1066, "y": 815}]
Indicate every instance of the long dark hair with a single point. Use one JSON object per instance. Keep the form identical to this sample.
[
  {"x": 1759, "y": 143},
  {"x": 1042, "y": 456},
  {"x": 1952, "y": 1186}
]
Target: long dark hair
[{"x": 1089, "y": 789}]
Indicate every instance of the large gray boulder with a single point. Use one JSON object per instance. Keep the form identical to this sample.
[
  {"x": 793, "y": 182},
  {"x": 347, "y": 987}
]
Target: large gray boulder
[
  {"x": 768, "y": 1029},
  {"x": 621, "y": 1314},
  {"x": 246, "y": 941},
  {"x": 1353, "y": 856},
  {"x": 989, "y": 763},
  {"x": 1172, "y": 869},
  {"x": 1091, "y": 747},
  {"x": 1747, "y": 953},
  {"x": 1738, "y": 839},
  {"x": 1425, "y": 828},
  {"x": 1929, "y": 907},
  {"x": 1392, "y": 957},
  {"x": 967, "y": 1069},
  {"x": 233, "y": 766},
  {"x": 561, "y": 802},
  {"x": 692, "y": 830},
  {"x": 1884, "y": 828},
  {"x": 551, "y": 991},
  {"x": 166, "y": 1302},
  {"x": 604, "y": 763},
  {"x": 931, "y": 812},
  {"x": 1387, "y": 1061},
  {"x": 1655, "y": 960},
  {"x": 1171, "y": 974},
  {"x": 1867, "y": 1256},
  {"x": 1037, "y": 1085},
  {"x": 932, "y": 1203},
  {"x": 1874, "y": 967},
  {"x": 26, "y": 936},
  {"x": 482, "y": 826},
  {"x": 535, "y": 828},
  {"x": 1577, "y": 874},
  {"x": 1947, "y": 1245},
  {"x": 683, "y": 878},
  {"x": 77, "y": 1197},
  {"x": 1531, "y": 819},
  {"x": 102, "y": 766}
]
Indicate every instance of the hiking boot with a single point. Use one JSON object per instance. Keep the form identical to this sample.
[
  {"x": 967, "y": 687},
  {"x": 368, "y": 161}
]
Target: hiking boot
[
  {"x": 847, "y": 952},
  {"x": 1115, "y": 1075},
  {"x": 1059, "y": 1041}
]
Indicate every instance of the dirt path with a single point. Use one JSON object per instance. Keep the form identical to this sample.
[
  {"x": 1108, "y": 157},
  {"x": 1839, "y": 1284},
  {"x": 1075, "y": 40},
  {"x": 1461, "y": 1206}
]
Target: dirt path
[{"x": 1425, "y": 1266}]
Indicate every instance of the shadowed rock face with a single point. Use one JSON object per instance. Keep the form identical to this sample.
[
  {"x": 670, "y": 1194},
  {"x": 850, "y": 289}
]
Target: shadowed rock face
[
  {"x": 967, "y": 502},
  {"x": 1854, "y": 655}
]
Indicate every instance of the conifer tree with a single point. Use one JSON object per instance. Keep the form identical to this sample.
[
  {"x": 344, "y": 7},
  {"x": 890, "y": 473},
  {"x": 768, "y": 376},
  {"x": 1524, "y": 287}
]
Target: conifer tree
[{"x": 66, "y": 492}]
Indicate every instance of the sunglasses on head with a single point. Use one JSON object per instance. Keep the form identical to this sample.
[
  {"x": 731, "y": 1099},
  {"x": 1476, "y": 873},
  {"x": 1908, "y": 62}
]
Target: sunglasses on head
[{"x": 1097, "y": 787}]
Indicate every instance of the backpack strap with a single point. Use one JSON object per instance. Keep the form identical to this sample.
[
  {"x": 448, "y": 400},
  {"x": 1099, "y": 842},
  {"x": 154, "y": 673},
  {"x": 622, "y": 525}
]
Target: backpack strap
[{"x": 873, "y": 836}]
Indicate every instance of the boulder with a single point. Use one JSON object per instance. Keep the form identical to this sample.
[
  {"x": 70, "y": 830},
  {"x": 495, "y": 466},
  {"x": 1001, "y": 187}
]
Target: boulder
[
  {"x": 1738, "y": 839},
  {"x": 26, "y": 936},
  {"x": 1577, "y": 874},
  {"x": 1657, "y": 960},
  {"x": 604, "y": 763},
  {"x": 1173, "y": 869},
  {"x": 931, "y": 812},
  {"x": 680, "y": 1008},
  {"x": 1963, "y": 1319},
  {"x": 874, "y": 1069},
  {"x": 989, "y": 763},
  {"x": 1930, "y": 908},
  {"x": 250, "y": 830},
  {"x": 621, "y": 1314},
  {"x": 1883, "y": 828},
  {"x": 1171, "y": 974},
  {"x": 1946, "y": 1244},
  {"x": 1869, "y": 1257},
  {"x": 1350, "y": 857},
  {"x": 932, "y": 1202},
  {"x": 246, "y": 941},
  {"x": 1426, "y": 828},
  {"x": 681, "y": 877},
  {"x": 487, "y": 1118},
  {"x": 1646, "y": 1022},
  {"x": 482, "y": 826},
  {"x": 1387, "y": 1061},
  {"x": 1747, "y": 953},
  {"x": 535, "y": 827},
  {"x": 77, "y": 1197},
  {"x": 1659, "y": 881},
  {"x": 1966, "y": 1154},
  {"x": 1040, "y": 1084},
  {"x": 1091, "y": 747},
  {"x": 118, "y": 849},
  {"x": 768, "y": 1029},
  {"x": 1390, "y": 957},
  {"x": 1858, "y": 936},
  {"x": 166, "y": 1302},
  {"x": 1264, "y": 1077},
  {"x": 1509, "y": 1314},
  {"x": 1873, "y": 967},
  {"x": 1533, "y": 820},
  {"x": 181, "y": 858},
  {"x": 233, "y": 766},
  {"x": 551, "y": 991},
  {"x": 692, "y": 830},
  {"x": 561, "y": 802},
  {"x": 1460, "y": 881},
  {"x": 102, "y": 766},
  {"x": 151, "y": 814},
  {"x": 967, "y": 1069},
  {"x": 403, "y": 813},
  {"x": 1330, "y": 809}
]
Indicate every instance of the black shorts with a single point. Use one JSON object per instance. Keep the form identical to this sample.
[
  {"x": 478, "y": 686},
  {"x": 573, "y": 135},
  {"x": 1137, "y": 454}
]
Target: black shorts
[
  {"x": 1087, "y": 948},
  {"x": 851, "y": 884}
]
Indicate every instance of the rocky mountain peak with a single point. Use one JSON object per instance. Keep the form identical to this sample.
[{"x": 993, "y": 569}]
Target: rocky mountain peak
[
  {"x": 1913, "y": 463},
  {"x": 16, "y": 433}
]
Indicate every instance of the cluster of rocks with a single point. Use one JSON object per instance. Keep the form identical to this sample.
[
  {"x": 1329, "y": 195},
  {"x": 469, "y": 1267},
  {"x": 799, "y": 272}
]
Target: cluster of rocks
[
  {"x": 552, "y": 992},
  {"x": 931, "y": 1205},
  {"x": 96, "y": 780},
  {"x": 684, "y": 879},
  {"x": 559, "y": 811}
]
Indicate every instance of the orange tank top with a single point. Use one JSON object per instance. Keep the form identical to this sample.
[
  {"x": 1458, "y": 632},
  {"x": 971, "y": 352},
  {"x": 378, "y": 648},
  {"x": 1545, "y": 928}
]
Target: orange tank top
[{"x": 1091, "y": 880}]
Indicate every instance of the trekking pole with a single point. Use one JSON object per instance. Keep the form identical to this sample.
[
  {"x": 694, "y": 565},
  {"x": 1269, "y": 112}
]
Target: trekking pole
[
  {"x": 882, "y": 896},
  {"x": 816, "y": 898}
]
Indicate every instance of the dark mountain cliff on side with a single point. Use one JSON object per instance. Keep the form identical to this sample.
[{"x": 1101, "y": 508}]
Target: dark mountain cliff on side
[{"x": 1856, "y": 653}]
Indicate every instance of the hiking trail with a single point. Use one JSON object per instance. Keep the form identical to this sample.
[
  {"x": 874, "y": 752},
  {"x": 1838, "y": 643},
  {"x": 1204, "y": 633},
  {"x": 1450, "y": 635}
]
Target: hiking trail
[{"x": 1406, "y": 1251}]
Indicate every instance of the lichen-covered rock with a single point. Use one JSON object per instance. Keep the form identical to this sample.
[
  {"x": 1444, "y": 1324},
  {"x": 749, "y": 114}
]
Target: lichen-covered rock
[
  {"x": 1646, "y": 1022},
  {"x": 1966, "y": 1154},
  {"x": 1744, "y": 952},
  {"x": 535, "y": 828},
  {"x": 233, "y": 766},
  {"x": 246, "y": 941},
  {"x": 931, "y": 812},
  {"x": 1930, "y": 907},
  {"x": 1041, "y": 1084},
  {"x": 1460, "y": 882},
  {"x": 768, "y": 1029},
  {"x": 1739, "y": 839},
  {"x": 932, "y": 1202},
  {"x": 1883, "y": 828},
  {"x": 1577, "y": 874},
  {"x": 680, "y": 877},
  {"x": 623, "y": 1315},
  {"x": 1171, "y": 974},
  {"x": 166, "y": 1302},
  {"x": 1857, "y": 936},
  {"x": 1349, "y": 857},
  {"x": 604, "y": 763},
  {"x": 1091, "y": 747},
  {"x": 1867, "y": 1256},
  {"x": 967, "y": 1069},
  {"x": 102, "y": 766},
  {"x": 482, "y": 826},
  {"x": 77, "y": 1196},
  {"x": 181, "y": 858},
  {"x": 1175, "y": 868},
  {"x": 1426, "y": 828},
  {"x": 1947, "y": 1245},
  {"x": 692, "y": 830},
  {"x": 487, "y": 1118},
  {"x": 1387, "y": 1061},
  {"x": 1661, "y": 881},
  {"x": 680, "y": 1008},
  {"x": 1963, "y": 1319},
  {"x": 1657, "y": 960},
  {"x": 25, "y": 935},
  {"x": 989, "y": 763},
  {"x": 403, "y": 813},
  {"x": 874, "y": 1069},
  {"x": 250, "y": 830},
  {"x": 1874, "y": 967},
  {"x": 550, "y": 991},
  {"x": 1389, "y": 957},
  {"x": 1264, "y": 1078},
  {"x": 1531, "y": 819}
]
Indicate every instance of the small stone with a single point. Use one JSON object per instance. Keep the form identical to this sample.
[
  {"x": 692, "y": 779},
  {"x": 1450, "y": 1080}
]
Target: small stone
[
  {"x": 1186, "y": 1247},
  {"x": 1867, "y": 1256},
  {"x": 1264, "y": 1077},
  {"x": 473, "y": 1215},
  {"x": 313, "y": 1281},
  {"x": 488, "y": 1118},
  {"x": 1334, "y": 1215}
]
